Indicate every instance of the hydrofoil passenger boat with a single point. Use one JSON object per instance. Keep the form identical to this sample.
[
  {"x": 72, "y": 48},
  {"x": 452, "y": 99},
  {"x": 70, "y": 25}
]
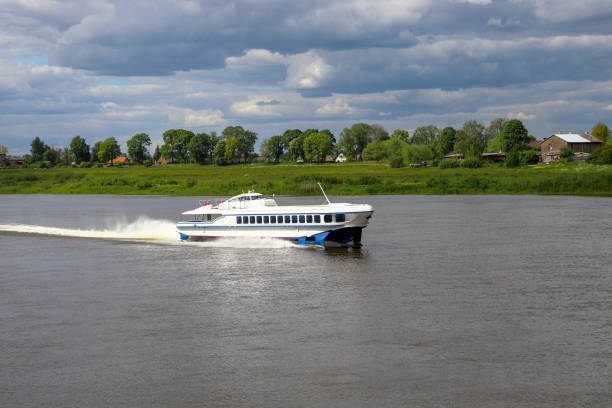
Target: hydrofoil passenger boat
[{"x": 253, "y": 215}]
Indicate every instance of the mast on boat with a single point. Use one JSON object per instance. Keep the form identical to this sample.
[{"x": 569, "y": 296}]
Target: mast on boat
[{"x": 323, "y": 191}]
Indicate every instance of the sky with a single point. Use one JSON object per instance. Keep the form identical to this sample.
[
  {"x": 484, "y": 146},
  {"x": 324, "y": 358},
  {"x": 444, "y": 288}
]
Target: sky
[{"x": 101, "y": 68}]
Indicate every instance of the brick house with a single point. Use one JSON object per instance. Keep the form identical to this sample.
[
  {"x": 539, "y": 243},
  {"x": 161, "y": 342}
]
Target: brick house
[{"x": 583, "y": 144}]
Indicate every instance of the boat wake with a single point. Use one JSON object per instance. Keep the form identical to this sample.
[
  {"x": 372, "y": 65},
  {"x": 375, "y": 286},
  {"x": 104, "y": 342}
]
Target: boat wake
[{"x": 143, "y": 229}]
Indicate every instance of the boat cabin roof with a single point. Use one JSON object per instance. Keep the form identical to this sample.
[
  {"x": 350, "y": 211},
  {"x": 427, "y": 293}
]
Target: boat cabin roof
[{"x": 247, "y": 196}]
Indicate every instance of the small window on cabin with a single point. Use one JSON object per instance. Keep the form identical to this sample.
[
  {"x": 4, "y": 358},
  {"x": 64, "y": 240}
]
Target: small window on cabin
[
  {"x": 273, "y": 219},
  {"x": 266, "y": 219},
  {"x": 252, "y": 219},
  {"x": 317, "y": 219},
  {"x": 309, "y": 219},
  {"x": 239, "y": 220},
  {"x": 302, "y": 219},
  {"x": 287, "y": 219},
  {"x": 327, "y": 218},
  {"x": 208, "y": 217},
  {"x": 280, "y": 219},
  {"x": 245, "y": 220},
  {"x": 259, "y": 219},
  {"x": 340, "y": 217},
  {"x": 294, "y": 219}
]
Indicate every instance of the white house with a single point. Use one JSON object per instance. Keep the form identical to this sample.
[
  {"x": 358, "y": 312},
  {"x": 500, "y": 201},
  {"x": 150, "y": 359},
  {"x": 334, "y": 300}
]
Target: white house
[{"x": 341, "y": 158}]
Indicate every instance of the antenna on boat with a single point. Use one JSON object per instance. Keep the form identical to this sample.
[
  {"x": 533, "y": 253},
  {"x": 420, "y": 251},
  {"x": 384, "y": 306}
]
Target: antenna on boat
[{"x": 321, "y": 187}]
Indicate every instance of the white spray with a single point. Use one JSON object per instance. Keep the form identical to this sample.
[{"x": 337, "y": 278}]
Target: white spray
[{"x": 143, "y": 229}]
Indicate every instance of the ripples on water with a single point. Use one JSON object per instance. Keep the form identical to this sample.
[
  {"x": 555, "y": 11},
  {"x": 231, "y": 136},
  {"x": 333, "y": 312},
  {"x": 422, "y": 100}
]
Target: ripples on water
[{"x": 452, "y": 301}]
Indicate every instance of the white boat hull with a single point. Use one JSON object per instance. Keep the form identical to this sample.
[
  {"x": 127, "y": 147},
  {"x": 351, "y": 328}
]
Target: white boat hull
[{"x": 338, "y": 232}]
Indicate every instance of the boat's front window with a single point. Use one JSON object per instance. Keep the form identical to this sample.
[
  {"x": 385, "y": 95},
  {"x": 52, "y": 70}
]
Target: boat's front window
[
  {"x": 340, "y": 217},
  {"x": 239, "y": 220}
]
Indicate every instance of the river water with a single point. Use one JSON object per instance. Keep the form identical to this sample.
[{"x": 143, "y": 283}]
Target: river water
[{"x": 463, "y": 301}]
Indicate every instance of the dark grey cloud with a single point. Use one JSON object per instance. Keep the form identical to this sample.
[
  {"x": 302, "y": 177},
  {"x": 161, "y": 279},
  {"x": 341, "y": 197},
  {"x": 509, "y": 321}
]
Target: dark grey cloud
[{"x": 274, "y": 65}]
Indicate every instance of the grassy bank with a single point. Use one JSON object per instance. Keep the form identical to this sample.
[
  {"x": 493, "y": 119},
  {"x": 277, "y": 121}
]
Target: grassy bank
[{"x": 292, "y": 179}]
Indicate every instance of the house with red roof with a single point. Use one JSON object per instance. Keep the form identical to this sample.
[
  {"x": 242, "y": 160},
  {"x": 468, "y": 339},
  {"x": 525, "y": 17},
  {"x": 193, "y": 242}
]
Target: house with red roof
[{"x": 119, "y": 160}]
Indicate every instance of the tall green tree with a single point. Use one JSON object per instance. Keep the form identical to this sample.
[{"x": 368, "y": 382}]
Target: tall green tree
[
  {"x": 379, "y": 132},
  {"x": 376, "y": 150},
  {"x": 214, "y": 139},
  {"x": 601, "y": 131},
  {"x": 200, "y": 147},
  {"x": 3, "y": 149},
  {"x": 272, "y": 148},
  {"x": 95, "y": 150},
  {"x": 219, "y": 153},
  {"x": 513, "y": 135},
  {"x": 447, "y": 140},
  {"x": 425, "y": 135},
  {"x": 138, "y": 147},
  {"x": 354, "y": 139},
  {"x": 296, "y": 147},
  {"x": 472, "y": 134},
  {"x": 331, "y": 135},
  {"x": 317, "y": 146},
  {"x": 232, "y": 149},
  {"x": 51, "y": 155},
  {"x": 246, "y": 141},
  {"x": 79, "y": 149},
  {"x": 176, "y": 142},
  {"x": 462, "y": 142},
  {"x": 496, "y": 127},
  {"x": 288, "y": 137},
  {"x": 109, "y": 149},
  {"x": 401, "y": 134},
  {"x": 37, "y": 148}
]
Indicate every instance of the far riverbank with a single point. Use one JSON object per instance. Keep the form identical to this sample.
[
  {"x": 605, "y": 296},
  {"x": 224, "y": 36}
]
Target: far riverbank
[{"x": 300, "y": 179}]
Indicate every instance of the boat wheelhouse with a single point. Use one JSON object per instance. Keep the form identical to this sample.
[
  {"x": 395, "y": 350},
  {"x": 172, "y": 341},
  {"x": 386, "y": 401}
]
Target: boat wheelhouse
[{"x": 253, "y": 215}]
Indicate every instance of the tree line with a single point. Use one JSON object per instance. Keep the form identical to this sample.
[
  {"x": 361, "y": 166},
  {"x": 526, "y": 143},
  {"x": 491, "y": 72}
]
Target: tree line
[{"x": 359, "y": 141}]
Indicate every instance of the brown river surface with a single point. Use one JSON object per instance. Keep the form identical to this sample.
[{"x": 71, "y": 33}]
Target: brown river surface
[{"x": 453, "y": 301}]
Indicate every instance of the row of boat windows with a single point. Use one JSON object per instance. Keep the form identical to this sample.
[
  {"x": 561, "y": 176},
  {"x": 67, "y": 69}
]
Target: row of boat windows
[{"x": 289, "y": 219}]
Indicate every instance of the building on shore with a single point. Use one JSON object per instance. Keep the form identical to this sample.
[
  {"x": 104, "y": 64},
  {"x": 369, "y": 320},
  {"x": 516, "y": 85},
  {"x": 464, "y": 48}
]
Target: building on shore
[
  {"x": 10, "y": 161},
  {"x": 582, "y": 145}
]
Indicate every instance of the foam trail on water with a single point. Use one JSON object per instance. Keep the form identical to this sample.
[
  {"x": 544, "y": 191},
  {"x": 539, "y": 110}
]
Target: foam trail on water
[{"x": 144, "y": 229}]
